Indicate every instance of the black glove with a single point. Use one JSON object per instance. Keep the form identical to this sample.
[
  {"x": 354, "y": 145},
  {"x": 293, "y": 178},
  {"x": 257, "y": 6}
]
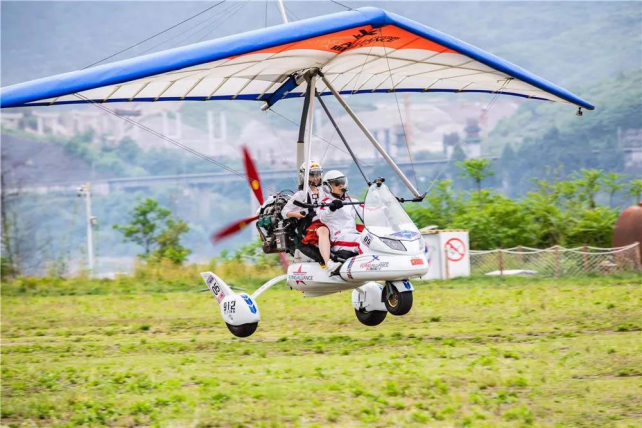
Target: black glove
[{"x": 335, "y": 205}]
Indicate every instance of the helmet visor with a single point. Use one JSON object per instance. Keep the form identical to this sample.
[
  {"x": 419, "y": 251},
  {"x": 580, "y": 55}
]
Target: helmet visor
[{"x": 338, "y": 181}]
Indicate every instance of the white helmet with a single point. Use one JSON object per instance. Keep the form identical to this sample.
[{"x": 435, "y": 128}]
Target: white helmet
[
  {"x": 316, "y": 171},
  {"x": 335, "y": 177}
]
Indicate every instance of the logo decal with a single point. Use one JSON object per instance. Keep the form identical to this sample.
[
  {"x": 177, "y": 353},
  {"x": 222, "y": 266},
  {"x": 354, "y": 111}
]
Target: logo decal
[
  {"x": 361, "y": 39},
  {"x": 416, "y": 261},
  {"x": 299, "y": 276},
  {"x": 372, "y": 266},
  {"x": 249, "y": 302},
  {"x": 215, "y": 289},
  {"x": 367, "y": 239},
  {"x": 348, "y": 269},
  {"x": 229, "y": 307},
  {"x": 406, "y": 234}
]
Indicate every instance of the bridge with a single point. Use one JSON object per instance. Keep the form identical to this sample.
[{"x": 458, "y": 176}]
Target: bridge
[{"x": 131, "y": 184}]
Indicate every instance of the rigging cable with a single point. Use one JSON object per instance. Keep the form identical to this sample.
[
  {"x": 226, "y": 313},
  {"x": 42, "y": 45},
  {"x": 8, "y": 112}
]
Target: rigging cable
[
  {"x": 483, "y": 114},
  {"x": 494, "y": 99},
  {"x": 322, "y": 139},
  {"x": 341, "y": 4},
  {"x": 403, "y": 127},
  {"x": 168, "y": 139},
  {"x": 203, "y": 24},
  {"x": 334, "y": 132},
  {"x": 209, "y": 22},
  {"x": 242, "y": 5},
  {"x": 278, "y": 140},
  {"x": 155, "y": 35},
  {"x": 336, "y": 125},
  {"x": 291, "y": 13},
  {"x": 347, "y": 101}
]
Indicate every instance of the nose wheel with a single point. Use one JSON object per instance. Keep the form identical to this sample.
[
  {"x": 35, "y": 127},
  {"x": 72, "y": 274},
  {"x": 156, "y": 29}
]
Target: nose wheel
[
  {"x": 371, "y": 318},
  {"x": 397, "y": 303},
  {"x": 243, "y": 330}
]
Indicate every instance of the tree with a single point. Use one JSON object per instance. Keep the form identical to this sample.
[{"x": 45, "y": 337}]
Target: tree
[
  {"x": 594, "y": 226},
  {"x": 169, "y": 245},
  {"x": 477, "y": 170},
  {"x": 612, "y": 182},
  {"x": 128, "y": 149},
  {"x": 9, "y": 260},
  {"x": 635, "y": 190},
  {"x": 589, "y": 184},
  {"x": 501, "y": 222},
  {"x": 439, "y": 207},
  {"x": 145, "y": 229}
]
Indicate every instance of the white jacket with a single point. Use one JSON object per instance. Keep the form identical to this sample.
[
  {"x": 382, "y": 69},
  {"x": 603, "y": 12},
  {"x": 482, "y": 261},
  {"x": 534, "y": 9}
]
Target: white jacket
[
  {"x": 342, "y": 220},
  {"x": 299, "y": 196}
]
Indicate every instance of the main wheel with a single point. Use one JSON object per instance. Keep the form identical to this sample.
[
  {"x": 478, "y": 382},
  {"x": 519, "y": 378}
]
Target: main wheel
[
  {"x": 243, "y": 330},
  {"x": 371, "y": 318},
  {"x": 397, "y": 303}
]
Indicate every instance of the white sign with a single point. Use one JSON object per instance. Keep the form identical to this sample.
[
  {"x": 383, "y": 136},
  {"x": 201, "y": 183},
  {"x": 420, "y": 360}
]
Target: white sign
[{"x": 447, "y": 253}]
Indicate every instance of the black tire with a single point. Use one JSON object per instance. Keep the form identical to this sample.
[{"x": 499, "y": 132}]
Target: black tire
[
  {"x": 371, "y": 318},
  {"x": 397, "y": 303},
  {"x": 243, "y": 330}
]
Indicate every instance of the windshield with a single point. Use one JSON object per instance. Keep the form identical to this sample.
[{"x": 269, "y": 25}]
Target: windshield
[{"x": 385, "y": 217}]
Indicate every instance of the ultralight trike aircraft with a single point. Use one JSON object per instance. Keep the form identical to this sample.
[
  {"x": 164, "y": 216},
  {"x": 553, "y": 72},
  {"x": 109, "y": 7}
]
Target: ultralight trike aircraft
[{"x": 367, "y": 50}]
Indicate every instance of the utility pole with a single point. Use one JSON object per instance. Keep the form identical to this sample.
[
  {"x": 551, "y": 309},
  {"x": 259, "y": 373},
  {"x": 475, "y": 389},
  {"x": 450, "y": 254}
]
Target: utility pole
[{"x": 84, "y": 191}]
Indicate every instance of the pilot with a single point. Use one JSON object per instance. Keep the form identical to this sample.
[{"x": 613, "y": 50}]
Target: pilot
[
  {"x": 316, "y": 233},
  {"x": 341, "y": 219}
]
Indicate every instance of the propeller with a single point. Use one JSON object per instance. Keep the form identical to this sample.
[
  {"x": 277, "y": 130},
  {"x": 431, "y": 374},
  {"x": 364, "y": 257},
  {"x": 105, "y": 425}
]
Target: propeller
[
  {"x": 255, "y": 184},
  {"x": 252, "y": 175},
  {"x": 231, "y": 229}
]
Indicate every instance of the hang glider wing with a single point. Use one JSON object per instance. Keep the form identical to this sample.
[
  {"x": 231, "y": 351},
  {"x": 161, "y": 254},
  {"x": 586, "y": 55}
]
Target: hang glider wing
[{"x": 361, "y": 51}]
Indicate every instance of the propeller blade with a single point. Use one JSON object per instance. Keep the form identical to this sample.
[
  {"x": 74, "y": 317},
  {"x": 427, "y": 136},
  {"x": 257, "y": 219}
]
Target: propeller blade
[
  {"x": 284, "y": 262},
  {"x": 252, "y": 175},
  {"x": 231, "y": 229}
]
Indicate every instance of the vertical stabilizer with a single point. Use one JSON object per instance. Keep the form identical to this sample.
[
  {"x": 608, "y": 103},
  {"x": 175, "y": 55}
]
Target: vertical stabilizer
[{"x": 217, "y": 286}]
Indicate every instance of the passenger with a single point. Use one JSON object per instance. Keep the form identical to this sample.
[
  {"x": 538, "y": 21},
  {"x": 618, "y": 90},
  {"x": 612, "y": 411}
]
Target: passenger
[
  {"x": 316, "y": 233},
  {"x": 341, "y": 220}
]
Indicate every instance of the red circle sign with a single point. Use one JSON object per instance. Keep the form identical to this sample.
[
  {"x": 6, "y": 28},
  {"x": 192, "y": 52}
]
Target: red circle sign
[{"x": 455, "y": 249}]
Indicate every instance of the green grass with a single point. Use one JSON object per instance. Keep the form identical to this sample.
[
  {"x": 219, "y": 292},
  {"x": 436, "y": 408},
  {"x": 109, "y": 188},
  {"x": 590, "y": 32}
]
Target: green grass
[{"x": 472, "y": 352}]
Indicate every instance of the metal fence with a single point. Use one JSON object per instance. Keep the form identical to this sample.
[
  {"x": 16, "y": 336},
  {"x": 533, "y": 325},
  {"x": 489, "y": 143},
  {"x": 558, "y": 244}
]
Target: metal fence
[{"x": 556, "y": 261}]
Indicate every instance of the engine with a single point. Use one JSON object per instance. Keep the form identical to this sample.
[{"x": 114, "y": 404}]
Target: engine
[{"x": 276, "y": 232}]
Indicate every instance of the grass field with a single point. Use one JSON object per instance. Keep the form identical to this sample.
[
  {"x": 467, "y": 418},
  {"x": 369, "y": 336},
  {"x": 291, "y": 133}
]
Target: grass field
[{"x": 472, "y": 352}]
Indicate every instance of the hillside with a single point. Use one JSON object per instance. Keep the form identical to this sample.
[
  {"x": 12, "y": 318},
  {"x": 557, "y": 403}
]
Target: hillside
[{"x": 618, "y": 104}]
